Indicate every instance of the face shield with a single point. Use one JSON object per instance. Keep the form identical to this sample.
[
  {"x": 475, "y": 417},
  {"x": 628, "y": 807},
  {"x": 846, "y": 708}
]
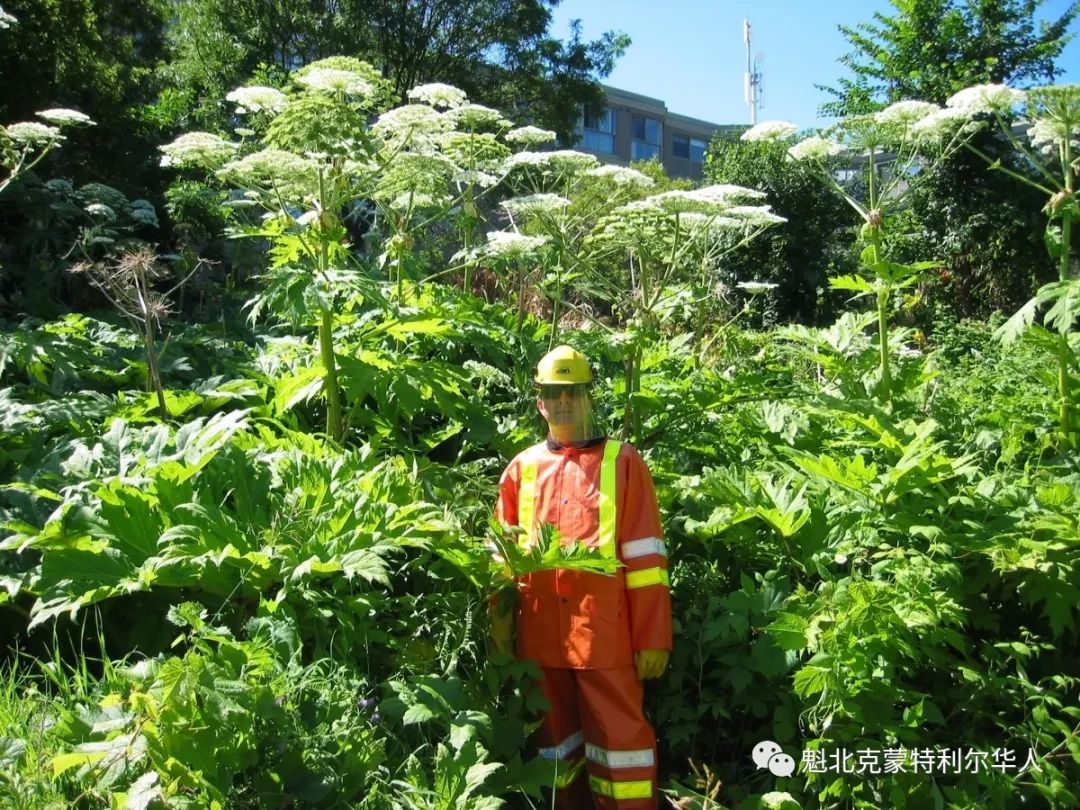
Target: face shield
[{"x": 568, "y": 409}]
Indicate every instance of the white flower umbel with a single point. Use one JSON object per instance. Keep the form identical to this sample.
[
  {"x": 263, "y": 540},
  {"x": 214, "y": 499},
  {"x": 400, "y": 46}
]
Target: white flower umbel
[
  {"x": 905, "y": 113},
  {"x": 562, "y": 161},
  {"x": 679, "y": 201},
  {"x": 756, "y": 287},
  {"x": 701, "y": 224},
  {"x": 329, "y": 80},
  {"x": 941, "y": 125},
  {"x": 143, "y": 212},
  {"x": 60, "y": 186},
  {"x": 291, "y": 174},
  {"x": 257, "y": 99},
  {"x": 715, "y": 199},
  {"x": 1055, "y": 115},
  {"x": 986, "y": 98},
  {"x": 415, "y": 200},
  {"x": 6, "y": 20},
  {"x": 476, "y": 116},
  {"x": 412, "y": 124},
  {"x": 727, "y": 193},
  {"x": 32, "y": 133},
  {"x": 533, "y": 204},
  {"x": 770, "y": 131},
  {"x": 100, "y": 211},
  {"x": 1047, "y": 135},
  {"x": 530, "y": 136},
  {"x": 755, "y": 215},
  {"x": 438, "y": 94},
  {"x": 622, "y": 175},
  {"x": 202, "y": 149},
  {"x": 814, "y": 148},
  {"x": 510, "y": 245},
  {"x": 62, "y": 117},
  {"x": 472, "y": 177}
]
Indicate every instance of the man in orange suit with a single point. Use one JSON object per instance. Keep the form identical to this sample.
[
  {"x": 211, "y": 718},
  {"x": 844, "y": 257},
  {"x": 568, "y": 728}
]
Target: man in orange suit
[{"x": 595, "y": 637}]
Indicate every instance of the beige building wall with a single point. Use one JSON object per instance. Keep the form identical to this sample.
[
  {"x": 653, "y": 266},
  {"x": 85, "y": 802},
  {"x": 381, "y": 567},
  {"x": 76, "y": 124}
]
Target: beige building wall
[{"x": 626, "y": 105}]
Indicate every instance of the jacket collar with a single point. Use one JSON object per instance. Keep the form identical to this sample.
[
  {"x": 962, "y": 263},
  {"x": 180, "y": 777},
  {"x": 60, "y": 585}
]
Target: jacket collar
[{"x": 556, "y": 447}]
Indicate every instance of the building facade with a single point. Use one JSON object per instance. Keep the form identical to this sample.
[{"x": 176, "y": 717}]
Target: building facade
[{"x": 636, "y": 127}]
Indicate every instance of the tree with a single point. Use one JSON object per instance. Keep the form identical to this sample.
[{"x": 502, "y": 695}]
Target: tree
[
  {"x": 498, "y": 51},
  {"x": 985, "y": 227},
  {"x": 96, "y": 56},
  {"x": 219, "y": 44},
  {"x": 930, "y": 49}
]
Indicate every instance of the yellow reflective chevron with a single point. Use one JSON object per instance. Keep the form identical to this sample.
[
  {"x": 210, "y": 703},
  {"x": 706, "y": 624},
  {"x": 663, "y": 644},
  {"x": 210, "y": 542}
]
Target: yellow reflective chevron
[
  {"x": 608, "y": 498},
  {"x": 621, "y": 790},
  {"x": 647, "y": 576}
]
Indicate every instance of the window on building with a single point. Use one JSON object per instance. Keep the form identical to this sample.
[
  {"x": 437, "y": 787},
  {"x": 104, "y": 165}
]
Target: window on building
[
  {"x": 598, "y": 132},
  {"x": 693, "y": 149},
  {"x": 648, "y": 135}
]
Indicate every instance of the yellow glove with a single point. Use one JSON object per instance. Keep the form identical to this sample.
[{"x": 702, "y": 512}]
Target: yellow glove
[{"x": 650, "y": 663}]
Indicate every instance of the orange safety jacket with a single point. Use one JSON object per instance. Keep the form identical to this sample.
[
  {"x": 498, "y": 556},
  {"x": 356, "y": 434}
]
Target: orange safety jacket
[{"x": 600, "y": 494}]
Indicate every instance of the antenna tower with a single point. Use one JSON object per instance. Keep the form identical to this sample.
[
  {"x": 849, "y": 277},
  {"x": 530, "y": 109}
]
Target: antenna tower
[{"x": 752, "y": 76}]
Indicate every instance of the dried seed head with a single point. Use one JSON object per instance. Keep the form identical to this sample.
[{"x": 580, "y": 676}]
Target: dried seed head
[
  {"x": 157, "y": 306},
  {"x": 142, "y": 262}
]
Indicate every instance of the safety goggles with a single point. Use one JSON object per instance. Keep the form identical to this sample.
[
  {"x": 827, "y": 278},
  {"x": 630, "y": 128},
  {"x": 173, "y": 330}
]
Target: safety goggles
[{"x": 575, "y": 390}]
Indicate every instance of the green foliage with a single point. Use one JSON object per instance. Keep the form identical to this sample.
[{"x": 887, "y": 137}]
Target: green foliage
[
  {"x": 56, "y": 225},
  {"x": 930, "y": 49},
  {"x": 873, "y": 539},
  {"x": 98, "y": 58},
  {"x": 799, "y": 255},
  {"x": 500, "y": 52},
  {"x": 987, "y": 239}
]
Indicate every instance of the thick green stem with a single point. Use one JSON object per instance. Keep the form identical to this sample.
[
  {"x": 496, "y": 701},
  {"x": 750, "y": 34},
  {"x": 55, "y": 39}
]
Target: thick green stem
[
  {"x": 883, "y": 318},
  {"x": 555, "y": 305},
  {"x": 334, "y": 424},
  {"x": 630, "y": 366},
  {"x": 330, "y": 382},
  {"x": 469, "y": 208},
  {"x": 883, "y": 347},
  {"x": 1063, "y": 275},
  {"x": 699, "y": 315},
  {"x": 1063, "y": 360},
  {"x": 520, "y": 296},
  {"x": 152, "y": 367}
]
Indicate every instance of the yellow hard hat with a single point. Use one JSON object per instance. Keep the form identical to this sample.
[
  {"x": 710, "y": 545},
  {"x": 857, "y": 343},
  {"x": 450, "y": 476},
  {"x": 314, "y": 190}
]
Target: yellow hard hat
[{"x": 563, "y": 364}]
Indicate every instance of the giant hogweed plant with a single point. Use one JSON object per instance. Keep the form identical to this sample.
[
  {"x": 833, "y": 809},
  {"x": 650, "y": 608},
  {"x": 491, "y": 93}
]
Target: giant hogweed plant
[
  {"x": 1051, "y": 118},
  {"x": 913, "y": 580},
  {"x": 317, "y": 173},
  {"x": 897, "y": 145},
  {"x": 601, "y": 237},
  {"x": 666, "y": 249}
]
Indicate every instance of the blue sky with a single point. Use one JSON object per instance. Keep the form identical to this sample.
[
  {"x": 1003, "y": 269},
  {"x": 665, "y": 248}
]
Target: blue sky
[{"x": 690, "y": 53}]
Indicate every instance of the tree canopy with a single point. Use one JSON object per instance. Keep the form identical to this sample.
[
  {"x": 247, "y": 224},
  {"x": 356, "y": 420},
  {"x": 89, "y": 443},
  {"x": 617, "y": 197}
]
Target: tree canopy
[
  {"x": 930, "y": 49},
  {"x": 499, "y": 51},
  {"x": 97, "y": 56}
]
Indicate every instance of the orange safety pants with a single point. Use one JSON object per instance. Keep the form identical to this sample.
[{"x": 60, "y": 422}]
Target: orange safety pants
[{"x": 598, "y": 733}]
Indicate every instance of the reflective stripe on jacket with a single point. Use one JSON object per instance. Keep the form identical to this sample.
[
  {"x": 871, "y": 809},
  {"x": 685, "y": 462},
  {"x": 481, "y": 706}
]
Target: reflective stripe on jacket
[{"x": 576, "y": 619}]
